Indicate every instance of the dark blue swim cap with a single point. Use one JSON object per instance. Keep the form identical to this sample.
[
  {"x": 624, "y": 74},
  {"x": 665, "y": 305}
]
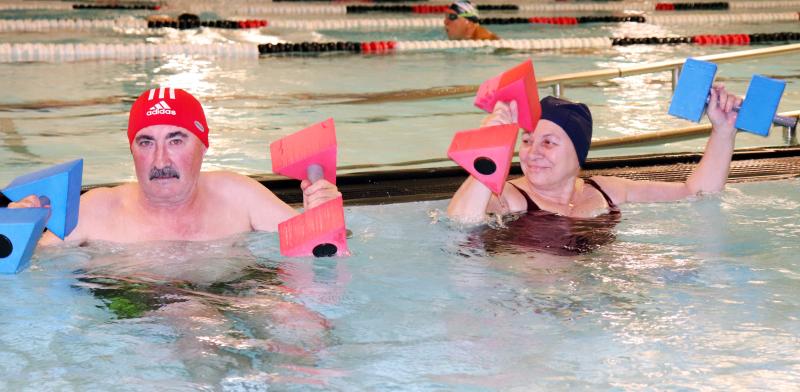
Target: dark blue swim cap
[{"x": 574, "y": 118}]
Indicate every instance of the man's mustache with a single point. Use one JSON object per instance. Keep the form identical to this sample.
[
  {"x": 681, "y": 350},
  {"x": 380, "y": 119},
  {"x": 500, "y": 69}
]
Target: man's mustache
[{"x": 165, "y": 172}]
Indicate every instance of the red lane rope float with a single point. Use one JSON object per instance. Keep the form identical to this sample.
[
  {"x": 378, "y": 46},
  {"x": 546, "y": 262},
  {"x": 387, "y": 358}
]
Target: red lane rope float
[
  {"x": 429, "y": 9},
  {"x": 724, "y": 39},
  {"x": 559, "y": 20},
  {"x": 377, "y": 47},
  {"x": 252, "y": 24}
]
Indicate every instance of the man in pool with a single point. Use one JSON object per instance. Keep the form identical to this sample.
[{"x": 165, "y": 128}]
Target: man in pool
[
  {"x": 461, "y": 21},
  {"x": 551, "y": 193},
  {"x": 172, "y": 200}
]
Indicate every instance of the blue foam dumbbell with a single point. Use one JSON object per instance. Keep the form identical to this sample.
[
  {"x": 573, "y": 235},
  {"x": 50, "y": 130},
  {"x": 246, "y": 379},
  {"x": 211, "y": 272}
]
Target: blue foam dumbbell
[
  {"x": 760, "y": 105},
  {"x": 691, "y": 94},
  {"x": 757, "y": 113},
  {"x": 58, "y": 187},
  {"x": 20, "y": 230}
]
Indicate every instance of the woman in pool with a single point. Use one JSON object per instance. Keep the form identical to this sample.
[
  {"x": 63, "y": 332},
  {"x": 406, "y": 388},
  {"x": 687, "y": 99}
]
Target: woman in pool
[{"x": 552, "y": 196}]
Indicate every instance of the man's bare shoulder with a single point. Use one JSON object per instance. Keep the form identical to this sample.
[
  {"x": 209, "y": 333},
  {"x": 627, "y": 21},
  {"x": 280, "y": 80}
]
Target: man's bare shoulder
[
  {"x": 245, "y": 193},
  {"x": 107, "y": 196},
  {"x": 228, "y": 182},
  {"x": 226, "y": 177},
  {"x": 231, "y": 185}
]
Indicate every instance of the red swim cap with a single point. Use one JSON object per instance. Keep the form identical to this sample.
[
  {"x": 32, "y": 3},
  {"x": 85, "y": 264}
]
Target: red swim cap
[{"x": 168, "y": 106}]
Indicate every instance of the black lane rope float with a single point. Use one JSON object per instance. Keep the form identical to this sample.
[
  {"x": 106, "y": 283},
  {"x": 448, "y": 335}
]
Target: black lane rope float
[
  {"x": 720, "y": 5},
  {"x": 129, "y": 7},
  {"x": 219, "y": 24}
]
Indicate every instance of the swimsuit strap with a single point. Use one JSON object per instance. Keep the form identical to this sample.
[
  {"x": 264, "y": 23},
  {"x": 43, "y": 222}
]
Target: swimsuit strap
[
  {"x": 532, "y": 206},
  {"x": 611, "y": 204}
]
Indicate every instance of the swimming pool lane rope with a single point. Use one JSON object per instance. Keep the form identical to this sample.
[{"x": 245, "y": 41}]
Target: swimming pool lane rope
[
  {"x": 112, "y": 6},
  {"x": 27, "y": 52},
  {"x": 641, "y": 6},
  {"x": 40, "y": 25},
  {"x": 45, "y": 5},
  {"x": 257, "y": 8}
]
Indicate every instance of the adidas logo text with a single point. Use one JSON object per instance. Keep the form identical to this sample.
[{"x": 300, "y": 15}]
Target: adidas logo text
[{"x": 160, "y": 108}]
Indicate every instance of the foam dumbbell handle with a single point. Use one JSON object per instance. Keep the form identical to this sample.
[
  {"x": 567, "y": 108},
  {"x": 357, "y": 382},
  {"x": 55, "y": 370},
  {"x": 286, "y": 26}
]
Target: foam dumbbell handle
[
  {"x": 789, "y": 122},
  {"x": 783, "y": 121},
  {"x": 315, "y": 173}
]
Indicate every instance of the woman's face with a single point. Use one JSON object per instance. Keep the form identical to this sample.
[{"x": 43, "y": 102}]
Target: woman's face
[{"x": 547, "y": 156}]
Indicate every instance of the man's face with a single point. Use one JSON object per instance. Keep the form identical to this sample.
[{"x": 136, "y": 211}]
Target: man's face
[
  {"x": 167, "y": 160},
  {"x": 457, "y": 27}
]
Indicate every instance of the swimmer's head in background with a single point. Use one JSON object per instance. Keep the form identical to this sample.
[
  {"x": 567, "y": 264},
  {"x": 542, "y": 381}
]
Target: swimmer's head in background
[
  {"x": 188, "y": 18},
  {"x": 574, "y": 118},
  {"x": 466, "y": 10},
  {"x": 168, "y": 106}
]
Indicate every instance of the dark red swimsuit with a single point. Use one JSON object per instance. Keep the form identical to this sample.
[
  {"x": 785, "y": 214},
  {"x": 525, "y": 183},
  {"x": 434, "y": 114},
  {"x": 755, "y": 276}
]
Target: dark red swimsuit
[{"x": 544, "y": 231}]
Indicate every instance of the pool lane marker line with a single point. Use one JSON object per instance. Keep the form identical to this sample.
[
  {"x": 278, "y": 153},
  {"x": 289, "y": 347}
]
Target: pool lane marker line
[{"x": 27, "y": 52}]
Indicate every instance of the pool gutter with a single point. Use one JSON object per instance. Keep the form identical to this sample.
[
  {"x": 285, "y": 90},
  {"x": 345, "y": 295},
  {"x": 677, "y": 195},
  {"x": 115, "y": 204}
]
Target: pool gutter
[{"x": 408, "y": 185}]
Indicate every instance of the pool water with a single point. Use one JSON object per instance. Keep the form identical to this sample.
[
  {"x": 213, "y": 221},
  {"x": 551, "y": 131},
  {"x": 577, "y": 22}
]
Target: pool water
[
  {"x": 251, "y": 103},
  {"x": 692, "y": 295}
]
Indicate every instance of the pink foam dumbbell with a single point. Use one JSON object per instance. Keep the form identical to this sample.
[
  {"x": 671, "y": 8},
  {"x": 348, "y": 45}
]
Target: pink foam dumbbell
[
  {"x": 516, "y": 84},
  {"x": 486, "y": 153},
  {"x": 311, "y": 154}
]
